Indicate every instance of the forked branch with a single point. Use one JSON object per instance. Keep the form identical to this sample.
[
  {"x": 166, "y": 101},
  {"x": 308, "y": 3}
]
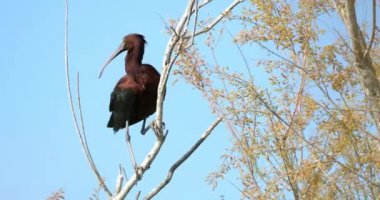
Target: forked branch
[
  {"x": 183, "y": 159},
  {"x": 179, "y": 36},
  {"x": 373, "y": 32}
]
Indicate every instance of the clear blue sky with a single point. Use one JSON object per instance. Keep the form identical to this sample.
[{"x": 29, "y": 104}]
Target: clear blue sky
[{"x": 39, "y": 148}]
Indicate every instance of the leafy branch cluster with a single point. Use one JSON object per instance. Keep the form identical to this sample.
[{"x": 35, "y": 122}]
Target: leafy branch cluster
[{"x": 313, "y": 130}]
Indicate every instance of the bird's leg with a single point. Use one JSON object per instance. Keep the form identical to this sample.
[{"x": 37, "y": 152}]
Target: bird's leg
[
  {"x": 143, "y": 128},
  {"x": 163, "y": 126},
  {"x": 158, "y": 132},
  {"x": 128, "y": 139},
  {"x": 133, "y": 160},
  {"x": 146, "y": 129}
]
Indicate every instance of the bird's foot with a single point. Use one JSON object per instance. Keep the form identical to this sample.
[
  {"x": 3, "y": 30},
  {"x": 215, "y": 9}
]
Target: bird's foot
[
  {"x": 143, "y": 128},
  {"x": 163, "y": 126},
  {"x": 151, "y": 125},
  {"x": 159, "y": 133},
  {"x": 138, "y": 172}
]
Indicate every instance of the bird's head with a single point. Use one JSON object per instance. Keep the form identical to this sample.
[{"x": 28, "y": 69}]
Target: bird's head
[
  {"x": 132, "y": 40},
  {"x": 129, "y": 42}
]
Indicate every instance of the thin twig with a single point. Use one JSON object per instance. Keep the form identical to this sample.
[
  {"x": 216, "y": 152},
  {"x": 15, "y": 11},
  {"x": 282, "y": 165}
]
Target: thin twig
[
  {"x": 343, "y": 40},
  {"x": 282, "y": 57},
  {"x": 167, "y": 62},
  {"x": 243, "y": 57},
  {"x": 82, "y": 135},
  {"x": 328, "y": 156},
  {"x": 119, "y": 180},
  {"x": 138, "y": 195},
  {"x": 145, "y": 165},
  {"x": 220, "y": 17},
  {"x": 183, "y": 159},
  {"x": 372, "y": 38},
  {"x": 195, "y": 22},
  {"x": 203, "y": 3},
  {"x": 80, "y": 131}
]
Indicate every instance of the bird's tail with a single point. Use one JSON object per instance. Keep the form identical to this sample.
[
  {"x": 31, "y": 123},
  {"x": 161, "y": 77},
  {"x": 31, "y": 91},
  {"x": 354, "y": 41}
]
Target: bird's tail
[{"x": 117, "y": 122}]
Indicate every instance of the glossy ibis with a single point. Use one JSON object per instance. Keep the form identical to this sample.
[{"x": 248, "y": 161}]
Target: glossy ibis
[{"x": 134, "y": 96}]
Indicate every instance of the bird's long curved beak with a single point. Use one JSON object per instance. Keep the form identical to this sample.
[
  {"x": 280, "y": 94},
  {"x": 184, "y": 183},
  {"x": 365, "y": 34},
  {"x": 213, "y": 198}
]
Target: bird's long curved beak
[{"x": 119, "y": 50}]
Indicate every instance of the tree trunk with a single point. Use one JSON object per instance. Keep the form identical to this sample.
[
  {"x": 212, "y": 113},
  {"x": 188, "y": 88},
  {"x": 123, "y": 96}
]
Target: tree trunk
[{"x": 369, "y": 73}]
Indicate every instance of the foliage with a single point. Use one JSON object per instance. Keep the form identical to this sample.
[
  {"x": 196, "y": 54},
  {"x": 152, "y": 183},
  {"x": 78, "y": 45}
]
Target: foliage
[
  {"x": 58, "y": 195},
  {"x": 311, "y": 132}
]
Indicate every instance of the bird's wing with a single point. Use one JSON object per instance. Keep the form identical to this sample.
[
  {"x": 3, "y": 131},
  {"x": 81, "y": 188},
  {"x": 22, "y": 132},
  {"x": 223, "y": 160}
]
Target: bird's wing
[
  {"x": 122, "y": 108},
  {"x": 122, "y": 100},
  {"x": 124, "y": 94},
  {"x": 112, "y": 101}
]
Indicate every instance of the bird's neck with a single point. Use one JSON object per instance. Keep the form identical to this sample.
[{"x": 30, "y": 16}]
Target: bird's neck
[{"x": 133, "y": 59}]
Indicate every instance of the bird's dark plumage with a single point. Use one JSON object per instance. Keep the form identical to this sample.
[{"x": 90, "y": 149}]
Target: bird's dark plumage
[{"x": 134, "y": 96}]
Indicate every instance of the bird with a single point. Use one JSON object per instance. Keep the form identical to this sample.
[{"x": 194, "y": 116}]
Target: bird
[
  {"x": 134, "y": 97},
  {"x": 135, "y": 94}
]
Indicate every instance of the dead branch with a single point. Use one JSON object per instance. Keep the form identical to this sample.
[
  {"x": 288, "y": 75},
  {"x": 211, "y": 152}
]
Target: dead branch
[
  {"x": 119, "y": 181},
  {"x": 372, "y": 37},
  {"x": 177, "y": 36},
  {"x": 195, "y": 22},
  {"x": 145, "y": 165},
  {"x": 79, "y": 129},
  {"x": 203, "y": 3},
  {"x": 183, "y": 159},
  {"x": 58, "y": 195},
  {"x": 167, "y": 62},
  {"x": 220, "y": 17}
]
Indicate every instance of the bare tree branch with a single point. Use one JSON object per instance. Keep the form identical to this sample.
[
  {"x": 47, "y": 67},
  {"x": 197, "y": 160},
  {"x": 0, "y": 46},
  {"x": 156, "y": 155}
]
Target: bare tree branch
[
  {"x": 58, "y": 195},
  {"x": 183, "y": 159},
  {"x": 371, "y": 83},
  {"x": 220, "y": 17},
  {"x": 203, "y": 3},
  {"x": 119, "y": 181},
  {"x": 145, "y": 165},
  {"x": 195, "y": 22},
  {"x": 328, "y": 155},
  {"x": 138, "y": 195},
  {"x": 167, "y": 62},
  {"x": 80, "y": 131},
  {"x": 372, "y": 38},
  {"x": 178, "y": 36}
]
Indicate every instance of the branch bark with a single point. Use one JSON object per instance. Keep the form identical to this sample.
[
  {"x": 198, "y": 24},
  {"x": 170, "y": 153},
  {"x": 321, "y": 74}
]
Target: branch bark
[
  {"x": 183, "y": 159},
  {"x": 167, "y": 61},
  {"x": 177, "y": 36},
  {"x": 145, "y": 165},
  {"x": 364, "y": 64},
  {"x": 220, "y": 17},
  {"x": 372, "y": 37}
]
